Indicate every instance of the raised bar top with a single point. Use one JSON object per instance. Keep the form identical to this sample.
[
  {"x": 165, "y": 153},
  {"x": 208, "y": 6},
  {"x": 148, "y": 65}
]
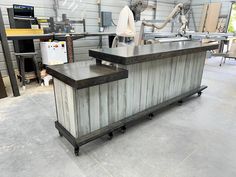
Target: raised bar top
[
  {"x": 79, "y": 76},
  {"x": 137, "y": 54}
]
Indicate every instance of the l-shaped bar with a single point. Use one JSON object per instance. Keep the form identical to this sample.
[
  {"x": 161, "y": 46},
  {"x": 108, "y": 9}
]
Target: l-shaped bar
[{"x": 96, "y": 99}]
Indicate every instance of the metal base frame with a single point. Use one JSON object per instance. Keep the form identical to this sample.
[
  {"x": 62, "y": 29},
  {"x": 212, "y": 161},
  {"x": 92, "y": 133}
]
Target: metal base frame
[{"x": 121, "y": 125}]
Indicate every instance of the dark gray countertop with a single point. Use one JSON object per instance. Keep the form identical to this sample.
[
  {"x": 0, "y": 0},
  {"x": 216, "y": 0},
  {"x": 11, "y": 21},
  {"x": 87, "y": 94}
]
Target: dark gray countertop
[
  {"x": 80, "y": 76},
  {"x": 136, "y": 54}
]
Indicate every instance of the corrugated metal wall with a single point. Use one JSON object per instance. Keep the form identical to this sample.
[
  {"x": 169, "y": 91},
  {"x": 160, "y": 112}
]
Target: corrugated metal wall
[{"x": 76, "y": 9}]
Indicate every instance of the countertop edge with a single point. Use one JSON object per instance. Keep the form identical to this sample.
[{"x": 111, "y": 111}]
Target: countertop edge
[
  {"x": 89, "y": 82},
  {"x": 143, "y": 58}
]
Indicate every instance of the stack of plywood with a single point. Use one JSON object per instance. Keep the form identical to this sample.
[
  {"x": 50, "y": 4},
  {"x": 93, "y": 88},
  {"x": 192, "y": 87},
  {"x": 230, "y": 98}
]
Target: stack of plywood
[{"x": 210, "y": 17}]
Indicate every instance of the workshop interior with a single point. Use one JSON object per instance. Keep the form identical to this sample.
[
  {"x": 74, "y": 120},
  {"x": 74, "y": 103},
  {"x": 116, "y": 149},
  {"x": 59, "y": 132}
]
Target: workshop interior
[{"x": 128, "y": 88}]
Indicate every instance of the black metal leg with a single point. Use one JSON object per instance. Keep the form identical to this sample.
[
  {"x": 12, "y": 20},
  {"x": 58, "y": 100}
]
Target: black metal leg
[
  {"x": 123, "y": 129},
  {"x": 76, "y": 151},
  {"x": 22, "y": 70},
  {"x": 60, "y": 134},
  {"x": 37, "y": 72},
  {"x": 98, "y": 61},
  {"x": 199, "y": 93},
  {"x": 180, "y": 102},
  {"x": 150, "y": 116},
  {"x": 110, "y": 136}
]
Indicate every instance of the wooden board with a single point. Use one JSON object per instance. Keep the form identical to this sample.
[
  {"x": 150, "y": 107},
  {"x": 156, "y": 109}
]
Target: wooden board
[
  {"x": 203, "y": 19},
  {"x": 3, "y": 93},
  {"x": 212, "y": 17},
  {"x": 14, "y": 32}
]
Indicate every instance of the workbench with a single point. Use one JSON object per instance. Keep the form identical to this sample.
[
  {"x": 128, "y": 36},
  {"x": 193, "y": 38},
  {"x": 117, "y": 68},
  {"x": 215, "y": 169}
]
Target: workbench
[
  {"x": 68, "y": 37},
  {"x": 95, "y": 100}
]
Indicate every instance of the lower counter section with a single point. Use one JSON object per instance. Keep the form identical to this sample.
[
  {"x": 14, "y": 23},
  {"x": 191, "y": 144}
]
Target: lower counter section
[{"x": 82, "y": 112}]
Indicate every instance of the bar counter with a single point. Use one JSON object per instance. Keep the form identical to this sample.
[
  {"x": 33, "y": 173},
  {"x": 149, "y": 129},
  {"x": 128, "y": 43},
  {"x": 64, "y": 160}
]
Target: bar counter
[
  {"x": 94, "y": 100},
  {"x": 137, "y": 54}
]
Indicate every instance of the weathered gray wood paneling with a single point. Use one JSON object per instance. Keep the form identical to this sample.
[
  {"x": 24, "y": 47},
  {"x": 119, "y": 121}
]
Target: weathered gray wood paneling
[
  {"x": 103, "y": 105},
  {"x": 66, "y": 106},
  {"x": 149, "y": 83},
  {"x": 82, "y": 97},
  {"x": 94, "y": 103}
]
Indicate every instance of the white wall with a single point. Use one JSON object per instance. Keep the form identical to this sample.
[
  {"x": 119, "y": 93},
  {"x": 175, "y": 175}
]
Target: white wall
[{"x": 76, "y": 9}]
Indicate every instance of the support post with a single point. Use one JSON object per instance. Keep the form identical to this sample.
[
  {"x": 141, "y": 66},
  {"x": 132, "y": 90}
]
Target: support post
[
  {"x": 99, "y": 21},
  {"x": 229, "y": 16},
  {"x": 70, "y": 48},
  {"x": 7, "y": 56},
  {"x": 84, "y": 25},
  {"x": 155, "y": 14}
]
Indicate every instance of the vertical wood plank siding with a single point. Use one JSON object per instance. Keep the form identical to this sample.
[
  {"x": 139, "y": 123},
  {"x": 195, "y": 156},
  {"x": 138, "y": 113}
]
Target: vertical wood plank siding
[{"x": 149, "y": 83}]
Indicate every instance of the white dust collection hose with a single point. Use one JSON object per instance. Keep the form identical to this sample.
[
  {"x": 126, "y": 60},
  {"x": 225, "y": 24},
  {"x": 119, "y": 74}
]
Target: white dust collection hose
[
  {"x": 174, "y": 12},
  {"x": 125, "y": 26},
  {"x": 178, "y": 8}
]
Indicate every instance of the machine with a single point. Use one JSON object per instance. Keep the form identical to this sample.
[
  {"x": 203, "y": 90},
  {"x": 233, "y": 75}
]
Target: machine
[
  {"x": 53, "y": 52},
  {"x": 23, "y": 11},
  {"x": 137, "y": 6},
  {"x": 64, "y": 26},
  {"x": 181, "y": 10}
]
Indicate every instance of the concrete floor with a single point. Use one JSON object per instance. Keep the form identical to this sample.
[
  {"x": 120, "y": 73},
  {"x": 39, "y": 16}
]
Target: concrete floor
[{"x": 197, "y": 139}]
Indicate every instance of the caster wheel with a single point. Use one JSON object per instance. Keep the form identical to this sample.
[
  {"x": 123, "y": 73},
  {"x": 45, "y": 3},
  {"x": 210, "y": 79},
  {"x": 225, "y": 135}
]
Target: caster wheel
[
  {"x": 180, "y": 102},
  {"x": 110, "y": 136},
  {"x": 60, "y": 134},
  {"x": 199, "y": 94},
  {"x": 27, "y": 81},
  {"x": 123, "y": 129},
  {"x": 150, "y": 116},
  {"x": 76, "y": 151},
  {"x": 19, "y": 77}
]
